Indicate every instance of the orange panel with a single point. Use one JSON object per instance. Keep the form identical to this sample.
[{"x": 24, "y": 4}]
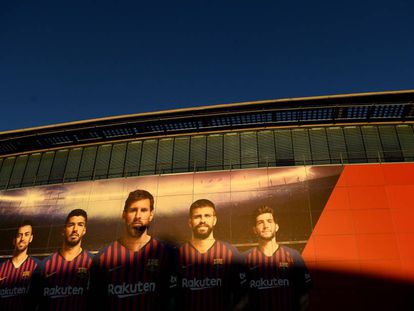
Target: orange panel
[
  {"x": 377, "y": 247},
  {"x": 335, "y": 222},
  {"x": 372, "y": 221},
  {"x": 364, "y": 175},
  {"x": 400, "y": 197},
  {"x": 403, "y": 220},
  {"x": 339, "y": 199},
  {"x": 335, "y": 247},
  {"x": 398, "y": 174},
  {"x": 372, "y": 197},
  {"x": 406, "y": 247}
]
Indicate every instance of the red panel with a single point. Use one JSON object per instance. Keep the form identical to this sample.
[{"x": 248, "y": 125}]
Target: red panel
[
  {"x": 367, "y": 197},
  {"x": 335, "y": 247},
  {"x": 401, "y": 197},
  {"x": 340, "y": 200},
  {"x": 406, "y": 247},
  {"x": 365, "y": 175},
  {"x": 372, "y": 221},
  {"x": 335, "y": 222},
  {"x": 398, "y": 174},
  {"x": 377, "y": 246},
  {"x": 403, "y": 220}
]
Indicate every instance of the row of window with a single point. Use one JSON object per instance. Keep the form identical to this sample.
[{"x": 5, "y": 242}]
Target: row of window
[{"x": 280, "y": 147}]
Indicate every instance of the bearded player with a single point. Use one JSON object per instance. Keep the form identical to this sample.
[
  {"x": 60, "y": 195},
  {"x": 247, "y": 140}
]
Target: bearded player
[
  {"x": 133, "y": 272},
  {"x": 16, "y": 273},
  {"x": 276, "y": 276},
  {"x": 207, "y": 277},
  {"x": 65, "y": 274}
]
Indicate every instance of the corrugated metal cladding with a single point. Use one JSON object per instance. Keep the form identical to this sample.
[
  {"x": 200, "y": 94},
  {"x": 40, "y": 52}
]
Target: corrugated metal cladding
[{"x": 231, "y": 150}]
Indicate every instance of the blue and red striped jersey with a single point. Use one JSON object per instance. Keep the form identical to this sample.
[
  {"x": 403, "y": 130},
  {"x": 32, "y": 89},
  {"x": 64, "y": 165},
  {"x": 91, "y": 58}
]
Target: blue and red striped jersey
[
  {"x": 64, "y": 284},
  {"x": 126, "y": 280},
  {"x": 275, "y": 282},
  {"x": 208, "y": 281},
  {"x": 15, "y": 282}
]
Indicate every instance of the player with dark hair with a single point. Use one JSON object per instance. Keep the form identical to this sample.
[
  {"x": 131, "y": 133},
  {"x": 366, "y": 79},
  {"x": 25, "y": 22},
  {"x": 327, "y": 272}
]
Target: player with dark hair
[
  {"x": 65, "y": 274},
  {"x": 16, "y": 272},
  {"x": 208, "y": 268},
  {"x": 133, "y": 273},
  {"x": 276, "y": 276}
]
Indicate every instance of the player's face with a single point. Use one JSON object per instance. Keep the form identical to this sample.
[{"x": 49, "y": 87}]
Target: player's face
[
  {"x": 24, "y": 237},
  {"x": 202, "y": 222},
  {"x": 74, "y": 230},
  {"x": 265, "y": 227},
  {"x": 138, "y": 217}
]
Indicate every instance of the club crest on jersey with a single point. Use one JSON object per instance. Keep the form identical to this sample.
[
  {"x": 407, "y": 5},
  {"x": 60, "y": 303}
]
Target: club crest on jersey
[
  {"x": 82, "y": 272},
  {"x": 26, "y": 274},
  {"x": 218, "y": 261},
  {"x": 283, "y": 264},
  {"x": 152, "y": 264},
  {"x": 173, "y": 281}
]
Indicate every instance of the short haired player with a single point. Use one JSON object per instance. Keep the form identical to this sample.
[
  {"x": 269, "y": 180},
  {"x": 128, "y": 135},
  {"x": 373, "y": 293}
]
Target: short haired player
[
  {"x": 16, "y": 272},
  {"x": 276, "y": 275},
  {"x": 65, "y": 273}
]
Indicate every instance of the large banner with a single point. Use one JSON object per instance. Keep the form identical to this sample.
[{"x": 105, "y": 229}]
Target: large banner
[{"x": 298, "y": 195}]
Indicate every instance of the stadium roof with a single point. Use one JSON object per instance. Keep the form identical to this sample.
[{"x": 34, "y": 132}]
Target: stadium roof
[{"x": 394, "y": 106}]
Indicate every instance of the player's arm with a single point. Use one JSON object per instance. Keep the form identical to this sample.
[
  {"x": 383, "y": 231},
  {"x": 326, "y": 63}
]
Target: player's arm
[
  {"x": 238, "y": 280},
  {"x": 242, "y": 299},
  {"x": 303, "y": 281},
  {"x": 303, "y": 302},
  {"x": 170, "y": 283},
  {"x": 96, "y": 289},
  {"x": 35, "y": 290}
]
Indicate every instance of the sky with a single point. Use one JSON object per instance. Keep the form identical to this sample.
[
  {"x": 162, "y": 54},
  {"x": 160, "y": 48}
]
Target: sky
[{"x": 63, "y": 61}]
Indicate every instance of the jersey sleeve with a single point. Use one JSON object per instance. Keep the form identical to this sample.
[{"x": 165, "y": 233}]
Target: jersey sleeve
[
  {"x": 241, "y": 300},
  {"x": 35, "y": 295},
  {"x": 237, "y": 277},
  {"x": 170, "y": 281},
  {"x": 96, "y": 289},
  {"x": 303, "y": 281}
]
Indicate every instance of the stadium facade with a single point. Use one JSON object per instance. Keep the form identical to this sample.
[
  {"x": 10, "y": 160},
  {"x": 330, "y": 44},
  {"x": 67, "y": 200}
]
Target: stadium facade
[{"x": 337, "y": 169}]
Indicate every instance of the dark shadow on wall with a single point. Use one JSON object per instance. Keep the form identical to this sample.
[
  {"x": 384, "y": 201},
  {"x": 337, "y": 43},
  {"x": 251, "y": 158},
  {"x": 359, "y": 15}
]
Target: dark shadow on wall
[{"x": 347, "y": 291}]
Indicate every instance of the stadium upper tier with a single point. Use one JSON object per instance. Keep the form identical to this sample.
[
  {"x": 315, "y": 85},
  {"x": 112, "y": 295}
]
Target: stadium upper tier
[
  {"x": 323, "y": 110},
  {"x": 356, "y": 128}
]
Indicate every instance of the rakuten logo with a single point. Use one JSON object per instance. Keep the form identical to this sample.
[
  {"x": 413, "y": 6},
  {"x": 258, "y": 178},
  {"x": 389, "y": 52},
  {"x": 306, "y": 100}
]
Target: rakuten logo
[
  {"x": 62, "y": 291},
  {"x": 126, "y": 290},
  {"x": 10, "y": 292},
  {"x": 269, "y": 283},
  {"x": 195, "y": 284}
]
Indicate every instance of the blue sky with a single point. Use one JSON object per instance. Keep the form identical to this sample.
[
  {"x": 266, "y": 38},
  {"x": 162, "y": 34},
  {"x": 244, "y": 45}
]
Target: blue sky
[{"x": 73, "y": 60}]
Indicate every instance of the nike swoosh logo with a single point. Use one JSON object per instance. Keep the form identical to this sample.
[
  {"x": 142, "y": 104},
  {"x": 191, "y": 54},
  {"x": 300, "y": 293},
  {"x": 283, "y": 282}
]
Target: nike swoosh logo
[
  {"x": 255, "y": 267},
  {"x": 115, "y": 268},
  {"x": 3, "y": 278},
  {"x": 50, "y": 274}
]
